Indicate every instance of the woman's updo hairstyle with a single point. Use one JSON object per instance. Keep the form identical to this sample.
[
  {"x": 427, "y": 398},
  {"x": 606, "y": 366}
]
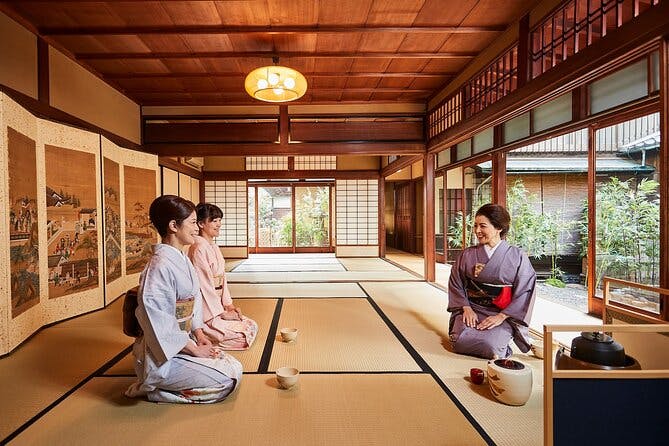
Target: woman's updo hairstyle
[
  {"x": 167, "y": 208},
  {"x": 208, "y": 211},
  {"x": 498, "y": 216}
]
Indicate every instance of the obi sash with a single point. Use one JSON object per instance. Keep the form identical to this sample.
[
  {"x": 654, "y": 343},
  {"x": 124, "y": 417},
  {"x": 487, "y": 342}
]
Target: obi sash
[
  {"x": 488, "y": 294},
  {"x": 184, "y": 313}
]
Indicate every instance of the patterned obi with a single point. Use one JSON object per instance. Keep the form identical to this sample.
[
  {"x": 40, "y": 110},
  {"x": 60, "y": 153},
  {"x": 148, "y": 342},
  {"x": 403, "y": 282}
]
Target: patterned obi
[
  {"x": 184, "y": 313},
  {"x": 489, "y": 295},
  {"x": 218, "y": 282}
]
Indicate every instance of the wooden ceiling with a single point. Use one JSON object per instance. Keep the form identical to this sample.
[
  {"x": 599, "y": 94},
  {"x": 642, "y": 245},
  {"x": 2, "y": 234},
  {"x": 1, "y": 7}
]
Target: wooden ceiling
[{"x": 199, "y": 52}]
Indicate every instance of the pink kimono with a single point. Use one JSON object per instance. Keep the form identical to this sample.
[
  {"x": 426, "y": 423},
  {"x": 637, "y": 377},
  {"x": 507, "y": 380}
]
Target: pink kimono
[{"x": 210, "y": 266}]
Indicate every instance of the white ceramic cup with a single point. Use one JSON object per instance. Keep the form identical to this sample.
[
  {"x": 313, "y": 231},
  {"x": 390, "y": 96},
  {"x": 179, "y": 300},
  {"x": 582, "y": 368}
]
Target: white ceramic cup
[
  {"x": 287, "y": 377},
  {"x": 288, "y": 334}
]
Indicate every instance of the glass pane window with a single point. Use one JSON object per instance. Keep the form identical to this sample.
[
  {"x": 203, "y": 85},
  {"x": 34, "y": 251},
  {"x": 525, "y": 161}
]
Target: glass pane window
[
  {"x": 628, "y": 207},
  {"x": 275, "y": 217},
  {"x": 312, "y": 216},
  {"x": 547, "y": 192}
]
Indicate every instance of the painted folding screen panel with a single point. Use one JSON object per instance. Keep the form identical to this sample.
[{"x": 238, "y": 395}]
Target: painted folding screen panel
[
  {"x": 72, "y": 220},
  {"x": 112, "y": 206},
  {"x": 23, "y": 222},
  {"x": 140, "y": 191}
]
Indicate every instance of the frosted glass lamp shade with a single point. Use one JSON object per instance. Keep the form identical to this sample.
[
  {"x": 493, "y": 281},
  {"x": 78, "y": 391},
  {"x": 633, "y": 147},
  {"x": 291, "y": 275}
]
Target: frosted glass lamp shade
[{"x": 275, "y": 84}]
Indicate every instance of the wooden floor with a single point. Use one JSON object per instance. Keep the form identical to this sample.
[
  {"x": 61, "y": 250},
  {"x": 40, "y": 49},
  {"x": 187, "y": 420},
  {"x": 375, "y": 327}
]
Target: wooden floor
[{"x": 373, "y": 352}]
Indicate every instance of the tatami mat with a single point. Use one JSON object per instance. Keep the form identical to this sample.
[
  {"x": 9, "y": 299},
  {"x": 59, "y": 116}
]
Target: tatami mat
[
  {"x": 252, "y": 267},
  {"x": 326, "y": 276},
  {"x": 419, "y": 312},
  {"x": 323, "y": 410},
  {"x": 367, "y": 264},
  {"x": 260, "y": 310},
  {"x": 290, "y": 290},
  {"x": 231, "y": 264},
  {"x": 287, "y": 259},
  {"x": 338, "y": 335},
  {"x": 54, "y": 361}
]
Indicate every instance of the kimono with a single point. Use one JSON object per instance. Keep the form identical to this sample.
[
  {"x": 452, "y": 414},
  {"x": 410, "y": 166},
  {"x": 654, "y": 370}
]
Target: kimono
[
  {"x": 503, "y": 283},
  {"x": 169, "y": 310},
  {"x": 210, "y": 266}
]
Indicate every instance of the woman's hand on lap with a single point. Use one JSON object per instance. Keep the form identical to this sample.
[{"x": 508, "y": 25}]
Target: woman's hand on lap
[
  {"x": 469, "y": 317},
  {"x": 492, "y": 321},
  {"x": 201, "y": 338}
]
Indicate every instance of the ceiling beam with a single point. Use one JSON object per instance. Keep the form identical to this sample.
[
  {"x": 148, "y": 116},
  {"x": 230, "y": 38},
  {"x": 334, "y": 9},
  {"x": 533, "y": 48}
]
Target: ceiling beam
[
  {"x": 188, "y": 75},
  {"x": 311, "y": 89},
  {"x": 271, "y": 30},
  {"x": 281, "y": 54},
  {"x": 294, "y": 149}
]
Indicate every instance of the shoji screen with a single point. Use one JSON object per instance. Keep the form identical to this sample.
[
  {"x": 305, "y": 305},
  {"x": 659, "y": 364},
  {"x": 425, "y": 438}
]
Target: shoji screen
[
  {"x": 230, "y": 196},
  {"x": 357, "y": 212}
]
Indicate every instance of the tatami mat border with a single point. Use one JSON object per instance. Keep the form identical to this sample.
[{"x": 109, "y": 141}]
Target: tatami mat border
[
  {"x": 271, "y": 336},
  {"x": 64, "y": 396},
  {"x": 426, "y": 367},
  {"x": 418, "y": 279},
  {"x": 400, "y": 266}
]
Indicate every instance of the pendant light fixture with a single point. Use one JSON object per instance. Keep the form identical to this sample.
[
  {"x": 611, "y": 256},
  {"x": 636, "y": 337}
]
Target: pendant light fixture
[{"x": 275, "y": 83}]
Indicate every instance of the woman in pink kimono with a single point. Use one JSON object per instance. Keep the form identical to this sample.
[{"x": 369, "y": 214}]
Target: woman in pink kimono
[
  {"x": 224, "y": 323},
  {"x": 491, "y": 291}
]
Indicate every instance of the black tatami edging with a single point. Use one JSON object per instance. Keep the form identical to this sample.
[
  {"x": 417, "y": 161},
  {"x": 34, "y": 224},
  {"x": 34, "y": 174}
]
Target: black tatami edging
[
  {"x": 427, "y": 369},
  {"x": 271, "y": 337},
  {"x": 347, "y": 372},
  {"x": 44, "y": 411},
  {"x": 402, "y": 267}
]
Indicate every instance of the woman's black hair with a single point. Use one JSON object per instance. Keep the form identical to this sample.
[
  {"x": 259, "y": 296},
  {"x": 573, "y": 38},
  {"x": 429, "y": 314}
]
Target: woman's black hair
[
  {"x": 167, "y": 208},
  {"x": 498, "y": 216},
  {"x": 208, "y": 211}
]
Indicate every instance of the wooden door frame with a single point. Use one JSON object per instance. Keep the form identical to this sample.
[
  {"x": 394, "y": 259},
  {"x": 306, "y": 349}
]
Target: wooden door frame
[{"x": 292, "y": 249}]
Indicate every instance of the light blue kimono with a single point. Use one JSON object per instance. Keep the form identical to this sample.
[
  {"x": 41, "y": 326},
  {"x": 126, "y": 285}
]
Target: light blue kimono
[{"x": 169, "y": 310}]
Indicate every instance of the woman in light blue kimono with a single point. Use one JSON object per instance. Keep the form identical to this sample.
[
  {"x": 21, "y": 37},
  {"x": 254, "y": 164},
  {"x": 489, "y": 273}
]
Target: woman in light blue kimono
[
  {"x": 174, "y": 360},
  {"x": 491, "y": 291}
]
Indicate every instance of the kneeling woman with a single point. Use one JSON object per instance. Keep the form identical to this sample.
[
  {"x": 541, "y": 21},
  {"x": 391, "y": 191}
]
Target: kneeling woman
[
  {"x": 224, "y": 323},
  {"x": 491, "y": 291},
  {"x": 174, "y": 360}
]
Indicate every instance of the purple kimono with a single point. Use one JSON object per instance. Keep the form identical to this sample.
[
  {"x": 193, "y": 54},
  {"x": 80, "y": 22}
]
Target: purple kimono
[{"x": 508, "y": 266}]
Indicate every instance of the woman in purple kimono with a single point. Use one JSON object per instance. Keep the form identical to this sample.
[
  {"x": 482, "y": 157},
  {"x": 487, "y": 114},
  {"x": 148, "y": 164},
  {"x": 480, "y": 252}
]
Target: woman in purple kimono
[{"x": 491, "y": 291}]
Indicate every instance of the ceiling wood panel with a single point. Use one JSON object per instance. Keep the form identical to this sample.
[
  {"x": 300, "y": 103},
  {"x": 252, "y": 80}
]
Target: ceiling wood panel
[
  {"x": 344, "y": 12},
  {"x": 175, "y": 52},
  {"x": 192, "y": 13},
  {"x": 293, "y": 12}
]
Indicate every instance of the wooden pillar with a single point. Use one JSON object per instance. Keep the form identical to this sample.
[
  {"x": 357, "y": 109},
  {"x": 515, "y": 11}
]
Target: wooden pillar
[
  {"x": 284, "y": 125},
  {"x": 382, "y": 214},
  {"x": 664, "y": 175},
  {"x": 594, "y": 306},
  {"x": 428, "y": 218},
  {"x": 499, "y": 178},
  {"x": 43, "y": 71},
  {"x": 523, "y": 50}
]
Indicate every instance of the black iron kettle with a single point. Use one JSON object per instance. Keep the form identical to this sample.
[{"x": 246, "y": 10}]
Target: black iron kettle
[{"x": 598, "y": 348}]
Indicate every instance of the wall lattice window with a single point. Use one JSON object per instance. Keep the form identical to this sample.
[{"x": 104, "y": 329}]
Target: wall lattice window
[
  {"x": 446, "y": 115},
  {"x": 231, "y": 197},
  {"x": 315, "y": 162},
  {"x": 266, "y": 163},
  {"x": 577, "y": 25},
  {"x": 493, "y": 83}
]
